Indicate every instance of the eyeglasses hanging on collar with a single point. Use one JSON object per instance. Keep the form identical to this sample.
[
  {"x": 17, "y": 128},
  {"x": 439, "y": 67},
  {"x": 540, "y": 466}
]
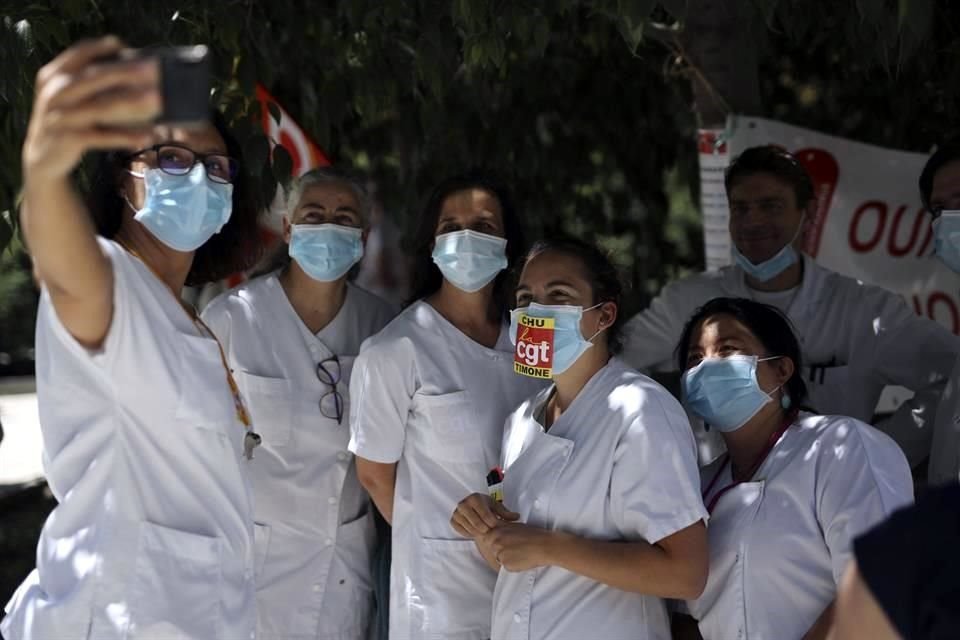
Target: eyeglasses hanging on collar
[{"x": 331, "y": 403}]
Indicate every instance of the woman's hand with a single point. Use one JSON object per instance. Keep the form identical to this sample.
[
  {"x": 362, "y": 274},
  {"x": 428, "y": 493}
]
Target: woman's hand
[
  {"x": 82, "y": 105},
  {"x": 479, "y": 513},
  {"x": 519, "y": 547}
]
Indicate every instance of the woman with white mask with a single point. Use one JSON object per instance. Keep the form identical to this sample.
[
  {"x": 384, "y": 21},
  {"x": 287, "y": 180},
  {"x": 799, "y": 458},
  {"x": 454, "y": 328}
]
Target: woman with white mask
[
  {"x": 601, "y": 516},
  {"x": 291, "y": 338},
  {"x": 793, "y": 490},
  {"x": 142, "y": 422},
  {"x": 430, "y": 393}
]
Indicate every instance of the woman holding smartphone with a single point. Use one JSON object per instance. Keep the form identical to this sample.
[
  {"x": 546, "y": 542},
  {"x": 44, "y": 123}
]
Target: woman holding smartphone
[{"x": 143, "y": 426}]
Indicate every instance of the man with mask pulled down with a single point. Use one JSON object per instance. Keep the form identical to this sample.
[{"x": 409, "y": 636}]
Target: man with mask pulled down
[{"x": 856, "y": 338}]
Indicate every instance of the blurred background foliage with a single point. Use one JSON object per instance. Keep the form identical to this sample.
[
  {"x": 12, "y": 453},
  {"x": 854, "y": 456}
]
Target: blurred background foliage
[{"x": 588, "y": 108}]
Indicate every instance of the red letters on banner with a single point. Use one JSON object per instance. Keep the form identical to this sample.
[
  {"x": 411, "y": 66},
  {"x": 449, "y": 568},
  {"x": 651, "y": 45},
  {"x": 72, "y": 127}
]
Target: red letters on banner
[
  {"x": 907, "y": 232},
  {"x": 939, "y": 307}
]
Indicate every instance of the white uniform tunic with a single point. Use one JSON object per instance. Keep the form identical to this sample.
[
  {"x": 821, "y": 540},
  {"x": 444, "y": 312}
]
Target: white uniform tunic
[
  {"x": 153, "y": 536},
  {"x": 780, "y": 543},
  {"x": 434, "y": 401},
  {"x": 855, "y": 340},
  {"x": 314, "y": 527},
  {"x": 619, "y": 464}
]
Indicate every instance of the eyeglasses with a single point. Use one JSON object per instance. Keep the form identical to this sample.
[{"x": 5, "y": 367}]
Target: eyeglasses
[
  {"x": 328, "y": 372},
  {"x": 177, "y": 160}
]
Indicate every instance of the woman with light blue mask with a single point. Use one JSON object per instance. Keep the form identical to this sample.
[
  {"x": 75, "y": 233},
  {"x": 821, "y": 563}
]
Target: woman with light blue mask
[
  {"x": 793, "y": 489},
  {"x": 144, "y": 429},
  {"x": 291, "y": 337},
  {"x": 601, "y": 515},
  {"x": 431, "y": 392}
]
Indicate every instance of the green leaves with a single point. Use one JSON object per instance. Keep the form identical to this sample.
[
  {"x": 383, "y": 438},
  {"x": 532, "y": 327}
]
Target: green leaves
[
  {"x": 6, "y": 230},
  {"x": 416, "y": 89},
  {"x": 632, "y": 16},
  {"x": 541, "y": 36}
]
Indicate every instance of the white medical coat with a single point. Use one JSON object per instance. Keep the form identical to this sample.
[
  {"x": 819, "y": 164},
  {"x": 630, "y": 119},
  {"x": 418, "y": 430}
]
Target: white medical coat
[
  {"x": 855, "y": 339},
  {"x": 153, "y": 536},
  {"x": 434, "y": 401},
  {"x": 619, "y": 464},
  {"x": 779, "y": 544},
  {"x": 314, "y": 528}
]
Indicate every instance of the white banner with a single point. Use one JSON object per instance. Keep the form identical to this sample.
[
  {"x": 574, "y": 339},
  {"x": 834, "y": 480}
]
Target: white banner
[{"x": 869, "y": 224}]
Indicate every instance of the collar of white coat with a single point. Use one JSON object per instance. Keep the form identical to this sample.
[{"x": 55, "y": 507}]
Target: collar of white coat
[{"x": 812, "y": 286}]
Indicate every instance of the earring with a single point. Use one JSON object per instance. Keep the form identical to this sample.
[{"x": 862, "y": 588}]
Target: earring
[{"x": 785, "y": 401}]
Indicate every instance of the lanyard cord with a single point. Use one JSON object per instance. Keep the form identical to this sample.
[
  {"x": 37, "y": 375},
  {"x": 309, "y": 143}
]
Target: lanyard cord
[{"x": 771, "y": 443}]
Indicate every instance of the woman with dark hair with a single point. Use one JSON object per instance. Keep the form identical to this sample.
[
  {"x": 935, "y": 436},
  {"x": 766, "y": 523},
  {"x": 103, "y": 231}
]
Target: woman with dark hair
[
  {"x": 470, "y": 268},
  {"x": 143, "y": 424},
  {"x": 430, "y": 393},
  {"x": 793, "y": 490},
  {"x": 600, "y": 471}
]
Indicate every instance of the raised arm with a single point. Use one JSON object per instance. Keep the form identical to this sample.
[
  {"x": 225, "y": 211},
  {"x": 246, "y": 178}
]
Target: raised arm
[{"x": 79, "y": 106}]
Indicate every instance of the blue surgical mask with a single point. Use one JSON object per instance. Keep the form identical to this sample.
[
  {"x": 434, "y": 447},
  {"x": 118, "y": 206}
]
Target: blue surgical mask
[
  {"x": 469, "y": 260},
  {"x": 771, "y": 268},
  {"x": 568, "y": 341},
  {"x": 183, "y": 212},
  {"x": 946, "y": 235},
  {"x": 724, "y": 391},
  {"x": 325, "y": 251}
]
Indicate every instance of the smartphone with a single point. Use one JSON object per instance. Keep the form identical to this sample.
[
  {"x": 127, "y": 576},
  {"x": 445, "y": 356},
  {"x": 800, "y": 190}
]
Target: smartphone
[{"x": 184, "y": 82}]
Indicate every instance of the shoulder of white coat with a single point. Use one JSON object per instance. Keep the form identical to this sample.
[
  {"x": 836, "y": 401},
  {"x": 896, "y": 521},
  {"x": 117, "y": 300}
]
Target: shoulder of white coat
[
  {"x": 835, "y": 440},
  {"x": 119, "y": 257},
  {"x": 245, "y": 295},
  {"x": 638, "y": 398},
  {"x": 395, "y": 339},
  {"x": 415, "y": 320},
  {"x": 111, "y": 247},
  {"x": 701, "y": 287},
  {"x": 129, "y": 272},
  {"x": 856, "y": 294}
]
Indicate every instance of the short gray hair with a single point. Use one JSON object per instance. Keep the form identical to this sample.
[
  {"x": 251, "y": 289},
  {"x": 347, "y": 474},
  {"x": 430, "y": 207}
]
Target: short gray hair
[{"x": 329, "y": 175}]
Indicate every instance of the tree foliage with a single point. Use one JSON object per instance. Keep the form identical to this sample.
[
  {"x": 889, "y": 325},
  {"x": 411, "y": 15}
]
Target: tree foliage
[{"x": 584, "y": 106}]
